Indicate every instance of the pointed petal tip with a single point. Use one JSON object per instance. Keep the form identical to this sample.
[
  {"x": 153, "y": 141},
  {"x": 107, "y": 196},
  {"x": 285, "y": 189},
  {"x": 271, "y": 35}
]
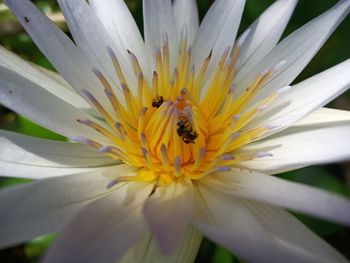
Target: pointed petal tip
[{"x": 243, "y": 37}]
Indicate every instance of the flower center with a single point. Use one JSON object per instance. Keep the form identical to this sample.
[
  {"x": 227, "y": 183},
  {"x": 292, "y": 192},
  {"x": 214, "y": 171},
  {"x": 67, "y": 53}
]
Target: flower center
[{"x": 181, "y": 122}]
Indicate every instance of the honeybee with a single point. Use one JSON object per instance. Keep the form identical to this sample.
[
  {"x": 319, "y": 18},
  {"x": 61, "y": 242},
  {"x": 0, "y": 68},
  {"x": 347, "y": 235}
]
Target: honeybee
[
  {"x": 185, "y": 130},
  {"x": 157, "y": 102}
]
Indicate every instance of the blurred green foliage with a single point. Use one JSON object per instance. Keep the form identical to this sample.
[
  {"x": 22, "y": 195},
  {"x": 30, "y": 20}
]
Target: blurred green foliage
[{"x": 327, "y": 177}]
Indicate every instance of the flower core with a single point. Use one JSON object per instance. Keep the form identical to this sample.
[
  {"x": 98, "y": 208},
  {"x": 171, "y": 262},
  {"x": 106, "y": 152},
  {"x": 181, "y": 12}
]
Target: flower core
[{"x": 185, "y": 122}]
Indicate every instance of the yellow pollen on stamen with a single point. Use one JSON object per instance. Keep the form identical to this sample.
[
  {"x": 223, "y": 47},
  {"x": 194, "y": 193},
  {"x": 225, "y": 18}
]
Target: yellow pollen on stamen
[{"x": 167, "y": 128}]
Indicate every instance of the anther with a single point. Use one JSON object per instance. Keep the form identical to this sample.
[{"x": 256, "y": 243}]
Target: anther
[
  {"x": 112, "y": 183},
  {"x": 146, "y": 156},
  {"x": 155, "y": 83},
  {"x": 262, "y": 154},
  {"x": 217, "y": 169},
  {"x": 177, "y": 166},
  {"x": 89, "y": 96},
  {"x": 116, "y": 65},
  {"x": 85, "y": 121},
  {"x": 143, "y": 139},
  {"x": 164, "y": 157},
  {"x": 135, "y": 63},
  {"x": 199, "y": 158},
  {"x": 227, "y": 157},
  {"x": 236, "y": 117},
  {"x": 189, "y": 51},
  {"x": 120, "y": 129},
  {"x": 97, "y": 73},
  {"x": 223, "y": 169},
  {"x": 117, "y": 153},
  {"x": 236, "y": 135},
  {"x": 84, "y": 140},
  {"x": 109, "y": 94},
  {"x": 106, "y": 149}
]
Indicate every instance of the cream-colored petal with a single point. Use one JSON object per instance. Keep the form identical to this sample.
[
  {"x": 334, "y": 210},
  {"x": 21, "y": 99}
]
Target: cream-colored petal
[
  {"x": 30, "y": 100},
  {"x": 292, "y": 234},
  {"x": 121, "y": 26},
  {"x": 187, "y": 20},
  {"x": 264, "y": 34},
  {"x": 64, "y": 55},
  {"x": 44, "y": 206},
  {"x": 103, "y": 230},
  {"x": 304, "y": 97},
  {"x": 168, "y": 212},
  {"x": 279, "y": 192},
  {"x": 44, "y": 78},
  {"x": 324, "y": 117},
  {"x": 93, "y": 39},
  {"x": 29, "y": 157},
  {"x": 296, "y": 50},
  {"x": 319, "y": 138},
  {"x": 146, "y": 250},
  {"x": 228, "y": 222},
  {"x": 218, "y": 30},
  {"x": 159, "y": 24}
]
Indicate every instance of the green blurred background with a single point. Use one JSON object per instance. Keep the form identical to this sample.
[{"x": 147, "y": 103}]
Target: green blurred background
[{"x": 335, "y": 177}]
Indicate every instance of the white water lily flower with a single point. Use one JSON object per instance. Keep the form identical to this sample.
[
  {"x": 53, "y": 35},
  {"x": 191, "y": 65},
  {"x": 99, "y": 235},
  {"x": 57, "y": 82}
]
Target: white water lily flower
[{"x": 183, "y": 131}]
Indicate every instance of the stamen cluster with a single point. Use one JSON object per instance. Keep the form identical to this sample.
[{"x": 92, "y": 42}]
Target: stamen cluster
[{"x": 171, "y": 128}]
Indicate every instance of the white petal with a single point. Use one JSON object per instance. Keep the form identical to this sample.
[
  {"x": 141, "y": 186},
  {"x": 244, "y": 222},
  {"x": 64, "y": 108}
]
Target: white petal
[
  {"x": 279, "y": 192},
  {"x": 93, "y": 39},
  {"x": 42, "y": 77},
  {"x": 44, "y": 206},
  {"x": 306, "y": 96},
  {"x": 293, "y": 235},
  {"x": 159, "y": 21},
  {"x": 30, "y": 100},
  {"x": 168, "y": 212},
  {"x": 218, "y": 30},
  {"x": 264, "y": 34},
  {"x": 146, "y": 250},
  {"x": 52, "y": 74},
  {"x": 296, "y": 50},
  {"x": 230, "y": 224},
  {"x": 68, "y": 60},
  {"x": 300, "y": 146},
  {"x": 324, "y": 117},
  {"x": 29, "y": 157},
  {"x": 104, "y": 230},
  {"x": 186, "y": 16},
  {"x": 121, "y": 26}
]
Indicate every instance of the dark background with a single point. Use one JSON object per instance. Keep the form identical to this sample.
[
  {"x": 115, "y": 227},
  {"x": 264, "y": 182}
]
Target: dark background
[{"x": 335, "y": 177}]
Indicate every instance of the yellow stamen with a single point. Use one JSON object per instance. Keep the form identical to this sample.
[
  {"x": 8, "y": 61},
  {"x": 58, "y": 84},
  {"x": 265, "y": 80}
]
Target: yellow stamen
[
  {"x": 116, "y": 65},
  {"x": 170, "y": 129}
]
